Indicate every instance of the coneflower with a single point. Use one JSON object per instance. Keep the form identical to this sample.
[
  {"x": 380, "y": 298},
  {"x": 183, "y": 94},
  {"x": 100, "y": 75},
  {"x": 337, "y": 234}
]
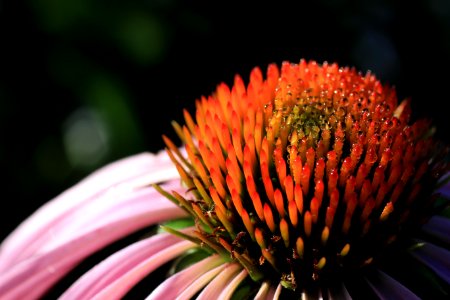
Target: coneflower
[{"x": 308, "y": 182}]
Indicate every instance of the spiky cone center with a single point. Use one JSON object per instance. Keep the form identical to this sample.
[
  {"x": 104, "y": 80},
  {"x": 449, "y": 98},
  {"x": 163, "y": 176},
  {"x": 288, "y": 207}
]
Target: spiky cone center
[{"x": 309, "y": 171}]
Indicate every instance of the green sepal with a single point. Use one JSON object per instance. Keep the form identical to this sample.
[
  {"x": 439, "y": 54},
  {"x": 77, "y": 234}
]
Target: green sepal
[
  {"x": 177, "y": 224},
  {"x": 181, "y": 234}
]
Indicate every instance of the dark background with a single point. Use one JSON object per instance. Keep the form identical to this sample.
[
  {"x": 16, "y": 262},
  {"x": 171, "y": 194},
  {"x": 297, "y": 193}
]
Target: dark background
[{"x": 86, "y": 82}]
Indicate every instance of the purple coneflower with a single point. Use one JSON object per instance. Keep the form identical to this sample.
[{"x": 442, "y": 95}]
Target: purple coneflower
[{"x": 312, "y": 182}]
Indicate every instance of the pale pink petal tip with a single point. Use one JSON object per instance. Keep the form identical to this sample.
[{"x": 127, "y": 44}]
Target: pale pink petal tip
[
  {"x": 35, "y": 256},
  {"x": 36, "y": 274},
  {"x": 277, "y": 293},
  {"x": 263, "y": 291},
  {"x": 116, "y": 275},
  {"x": 200, "y": 282},
  {"x": 218, "y": 284},
  {"x": 173, "y": 286},
  {"x": 122, "y": 176},
  {"x": 227, "y": 293}
]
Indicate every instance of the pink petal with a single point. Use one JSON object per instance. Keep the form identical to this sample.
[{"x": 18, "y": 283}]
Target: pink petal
[
  {"x": 386, "y": 287},
  {"x": 434, "y": 257},
  {"x": 126, "y": 174},
  {"x": 438, "y": 227},
  {"x": 217, "y": 285},
  {"x": 173, "y": 286},
  {"x": 111, "y": 206},
  {"x": 339, "y": 293},
  {"x": 231, "y": 287},
  {"x": 125, "y": 282},
  {"x": 277, "y": 293},
  {"x": 36, "y": 274},
  {"x": 263, "y": 291},
  {"x": 200, "y": 282},
  {"x": 118, "y": 266},
  {"x": 273, "y": 291}
]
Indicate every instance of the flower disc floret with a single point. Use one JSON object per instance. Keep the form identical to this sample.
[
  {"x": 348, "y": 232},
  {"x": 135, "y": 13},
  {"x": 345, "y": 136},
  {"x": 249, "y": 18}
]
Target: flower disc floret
[{"x": 311, "y": 171}]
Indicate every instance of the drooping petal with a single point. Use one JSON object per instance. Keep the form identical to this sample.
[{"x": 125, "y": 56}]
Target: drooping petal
[
  {"x": 107, "y": 209},
  {"x": 119, "y": 272},
  {"x": 200, "y": 282},
  {"x": 36, "y": 274},
  {"x": 386, "y": 287},
  {"x": 434, "y": 257},
  {"x": 444, "y": 186},
  {"x": 341, "y": 293},
  {"x": 173, "y": 286},
  {"x": 126, "y": 174},
  {"x": 438, "y": 227},
  {"x": 269, "y": 294},
  {"x": 263, "y": 291},
  {"x": 119, "y": 288},
  {"x": 217, "y": 285},
  {"x": 277, "y": 293},
  {"x": 268, "y": 291},
  {"x": 231, "y": 287}
]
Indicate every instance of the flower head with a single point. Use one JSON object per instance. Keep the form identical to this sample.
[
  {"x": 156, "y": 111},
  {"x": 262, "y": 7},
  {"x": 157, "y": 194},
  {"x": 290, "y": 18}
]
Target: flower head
[
  {"x": 308, "y": 173},
  {"x": 310, "y": 180}
]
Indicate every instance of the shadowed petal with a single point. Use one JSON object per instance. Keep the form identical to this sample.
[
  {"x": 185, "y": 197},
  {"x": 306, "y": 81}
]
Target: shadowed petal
[
  {"x": 277, "y": 293},
  {"x": 124, "y": 268},
  {"x": 173, "y": 286},
  {"x": 438, "y": 227},
  {"x": 231, "y": 287},
  {"x": 273, "y": 293},
  {"x": 444, "y": 188},
  {"x": 125, "y": 174},
  {"x": 340, "y": 293},
  {"x": 263, "y": 291},
  {"x": 434, "y": 257},
  {"x": 200, "y": 282},
  {"x": 387, "y": 287},
  {"x": 121, "y": 286},
  {"x": 215, "y": 287},
  {"x": 35, "y": 275}
]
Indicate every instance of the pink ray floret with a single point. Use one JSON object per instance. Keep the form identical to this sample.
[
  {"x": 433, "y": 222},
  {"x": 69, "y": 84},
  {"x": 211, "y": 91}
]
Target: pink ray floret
[
  {"x": 108, "y": 205},
  {"x": 174, "y": 286}
]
